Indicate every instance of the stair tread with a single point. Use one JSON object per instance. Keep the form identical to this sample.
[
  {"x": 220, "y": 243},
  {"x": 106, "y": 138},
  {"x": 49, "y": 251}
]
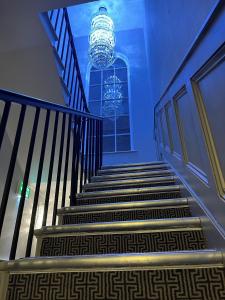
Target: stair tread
[
  {"x": 134, "y": 165},
  {"x": 130, "y": 191},
  {"x": 125, "y": 205},
  {"x": 98, "y": 178},
  {"x": 129, "y": 181},
  {"x": 133, "y": 169}
]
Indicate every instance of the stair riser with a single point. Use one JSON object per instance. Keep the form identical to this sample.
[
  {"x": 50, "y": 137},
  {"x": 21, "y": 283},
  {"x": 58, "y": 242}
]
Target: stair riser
[
  {"x": 130, "y": 176},
  {"x": 132, "y": 170},
  {"x": 126, "y": 198},
  {"x": 118, "y": 187},
  {"x": 121, "y": 243},
  {"x": 201, "y": 284},
  {"x": 133, "y": 165},
  {"x": 127, "y": 215}
]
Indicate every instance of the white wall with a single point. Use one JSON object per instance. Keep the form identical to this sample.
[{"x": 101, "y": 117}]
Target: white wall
[{"x": 26, "y": 60}]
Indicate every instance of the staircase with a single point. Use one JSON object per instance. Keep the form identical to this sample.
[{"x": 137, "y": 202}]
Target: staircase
[{"x": 130, "y": 236}]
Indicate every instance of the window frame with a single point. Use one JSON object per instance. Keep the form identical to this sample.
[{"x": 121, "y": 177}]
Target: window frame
[{"x": 115, "y": 70}]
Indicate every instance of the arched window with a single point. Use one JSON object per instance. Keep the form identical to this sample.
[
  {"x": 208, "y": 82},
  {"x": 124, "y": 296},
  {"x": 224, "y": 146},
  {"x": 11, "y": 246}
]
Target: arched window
[{"x": 109, "y": 98}]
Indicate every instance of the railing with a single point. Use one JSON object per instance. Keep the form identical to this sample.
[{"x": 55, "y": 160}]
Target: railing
[
  {"x": 65, "y": 49},
  {"x": 53, "y": 149}
]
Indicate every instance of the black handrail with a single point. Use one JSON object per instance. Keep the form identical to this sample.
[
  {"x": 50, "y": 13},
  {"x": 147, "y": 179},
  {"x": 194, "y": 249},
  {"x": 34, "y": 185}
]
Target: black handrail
[
  {"x": 73, "y": 141},
  {"x": 65, "y": 48},
  {"x": 10, "y": 97}
]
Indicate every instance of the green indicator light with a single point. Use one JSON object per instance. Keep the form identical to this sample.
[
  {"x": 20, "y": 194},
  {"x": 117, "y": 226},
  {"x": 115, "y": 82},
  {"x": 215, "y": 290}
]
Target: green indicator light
[{"x": 20, "y": 189}]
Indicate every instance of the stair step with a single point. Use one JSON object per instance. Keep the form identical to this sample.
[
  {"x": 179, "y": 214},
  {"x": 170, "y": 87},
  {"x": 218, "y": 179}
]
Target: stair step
[
  {"x": 207, "y": 258},
  {"x": 134, "y": 169},
  {"x": 134, "y": 194},
  {"x": 131, "y": 191},
  {"x": 106, "y": 167},
  {"x": 133, "y": 183},
  {"x": 125, "y": 211},
  {"x": 127, "y": 226},
  {"x": 184, "y": 274},
  {"x": 126, "y": 215},
  {"x": 124, "y": 205},
  {"x": 121, "y": 237},
  {"x": 137, "y": 175}
]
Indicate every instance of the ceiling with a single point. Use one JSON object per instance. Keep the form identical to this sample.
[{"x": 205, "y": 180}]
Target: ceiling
[{"x": 126, "y": 14}]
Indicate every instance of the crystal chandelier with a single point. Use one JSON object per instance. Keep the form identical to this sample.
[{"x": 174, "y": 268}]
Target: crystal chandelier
[
  {"x": 102, "y": 40},
  {"x": 112, "y": 96}
]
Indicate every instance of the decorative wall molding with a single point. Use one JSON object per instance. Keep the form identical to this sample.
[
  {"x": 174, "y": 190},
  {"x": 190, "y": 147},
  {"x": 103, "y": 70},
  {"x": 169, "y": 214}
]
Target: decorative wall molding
[
  {"x": 176, "y": 98},
  {"x": 207, "y": 68}
]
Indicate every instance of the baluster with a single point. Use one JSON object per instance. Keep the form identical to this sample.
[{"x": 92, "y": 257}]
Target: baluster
[
  {"x": 63, "y": 41},
  {"x": 74, "y": 157},
  {"x": 90, "y": 151},
  {"x": 77, "y": 167},
  {"x": 92, "y": 148},
  {"x": 51, "y": 164},
  {"x": 57, "y": 19},
  {"x": 74, "y": 96},
  {"x": 66, "y": 161},
  {"x": 86, "y": 150},
  {"x": 4, "y": 120},
  {"x": 60, "y": 32},
  {"x": 69, "y": 71},
  {"x": 11, "y": 166},
  {"x": 51, "y": 14},
  {"x": 82, "y": 152},
  {"x": 71, "y": 86},
  {"x": 97, "y": 147},
  {"x": 38, "y": 185},
  {"x": 59, "y": 171},
  {"x": 24, "y": 188},
  {"x": 66, "y": 61},
  {"x": 101, "y": 143}
]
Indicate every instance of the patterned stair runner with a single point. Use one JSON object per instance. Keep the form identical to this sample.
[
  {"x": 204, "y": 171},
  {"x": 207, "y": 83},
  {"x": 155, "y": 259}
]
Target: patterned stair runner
[{"x": 131, "y": 237}]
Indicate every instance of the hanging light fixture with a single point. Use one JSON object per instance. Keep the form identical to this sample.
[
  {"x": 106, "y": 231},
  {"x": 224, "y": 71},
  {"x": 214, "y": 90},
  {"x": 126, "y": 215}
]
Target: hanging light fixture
[
  {"x": 102, "y": 40},
  {"x": 112, "y": 96}
]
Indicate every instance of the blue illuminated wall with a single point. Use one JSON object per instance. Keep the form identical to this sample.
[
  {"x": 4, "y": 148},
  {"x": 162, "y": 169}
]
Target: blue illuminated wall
[
  {"x": 171, "y": 28},
  {"x": 130, "y": 43}
]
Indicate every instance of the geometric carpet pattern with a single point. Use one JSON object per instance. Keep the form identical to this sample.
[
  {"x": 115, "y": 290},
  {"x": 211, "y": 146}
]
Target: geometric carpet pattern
[
  {"x": 192, "y": 284},
  {"x": 139, "y": 197},
  {"x": 127, "y": 215},
  {"x": 124, "y": 284},
  {"x": 122, "y": 243}
]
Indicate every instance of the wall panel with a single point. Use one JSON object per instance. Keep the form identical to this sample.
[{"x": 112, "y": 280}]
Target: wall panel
[
  {"x": 168, "y": 115},
  {"x": 209, "y": 87},
  {"x": 197, "y": 123},
  {"x": 191, "y": 144}
]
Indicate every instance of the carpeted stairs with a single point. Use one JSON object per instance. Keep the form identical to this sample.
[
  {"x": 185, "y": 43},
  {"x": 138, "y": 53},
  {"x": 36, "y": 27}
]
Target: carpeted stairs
[{"x": 131, "y": 237}]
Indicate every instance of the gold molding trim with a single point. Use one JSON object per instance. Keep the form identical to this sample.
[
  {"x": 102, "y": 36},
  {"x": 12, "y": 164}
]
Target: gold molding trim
[
  {"x": 211, "y": 64},
  {"x": 169, "y": 129},
  {"x": 176, "y": 97},
  {"x": 160, "y": 118}
]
